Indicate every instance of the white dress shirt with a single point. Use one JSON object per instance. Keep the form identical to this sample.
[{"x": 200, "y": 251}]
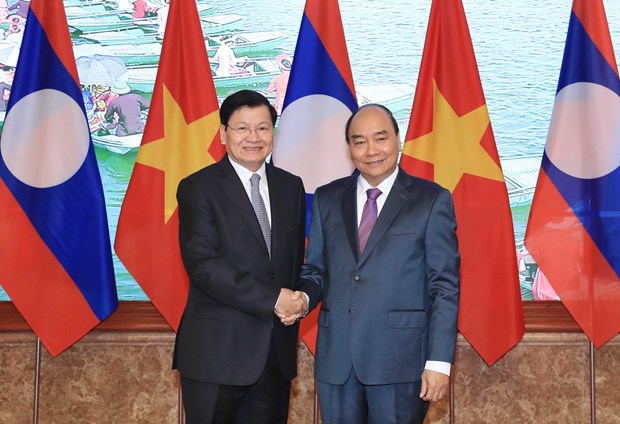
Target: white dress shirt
[{"x": 263, "y": 186}]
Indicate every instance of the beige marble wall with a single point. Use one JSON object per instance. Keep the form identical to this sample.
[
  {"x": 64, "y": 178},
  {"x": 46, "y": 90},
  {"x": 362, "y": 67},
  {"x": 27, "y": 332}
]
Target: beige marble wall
[
  {"x": 607, "y": 377},
  {"x": 110, "y": 378},
  {"x": 544, "y": 379},
  {"x": 125, "y": 377},
  {"x": 301, "y": 408},
  {"x": 17, "y": 374}
]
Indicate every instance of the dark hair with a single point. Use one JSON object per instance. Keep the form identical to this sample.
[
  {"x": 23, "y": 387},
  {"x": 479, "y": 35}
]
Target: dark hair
[
  {"x": 243, "y": 98},
  {"x": 376, "y": 105}
]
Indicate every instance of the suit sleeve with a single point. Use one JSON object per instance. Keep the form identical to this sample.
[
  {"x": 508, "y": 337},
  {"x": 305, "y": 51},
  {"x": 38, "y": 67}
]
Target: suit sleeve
[
  {"x": 443, "y": 273},
  {"x": 214, "y": 275},
  {"x": 313, "y": 272}
]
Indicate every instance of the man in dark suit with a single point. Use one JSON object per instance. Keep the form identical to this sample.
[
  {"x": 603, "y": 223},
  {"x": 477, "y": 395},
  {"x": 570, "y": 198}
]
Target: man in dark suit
[
  {"x": 388, "y": 264},
  {"x": 242, "y": 242}
]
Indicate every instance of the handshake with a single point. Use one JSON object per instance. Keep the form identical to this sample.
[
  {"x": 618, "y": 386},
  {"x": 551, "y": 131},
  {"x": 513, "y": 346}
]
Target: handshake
[{"x": 291, "y": 306}]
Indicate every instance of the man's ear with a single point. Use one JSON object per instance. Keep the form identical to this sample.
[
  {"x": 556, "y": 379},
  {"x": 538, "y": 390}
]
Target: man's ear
[{"x": 223, "y": 134}]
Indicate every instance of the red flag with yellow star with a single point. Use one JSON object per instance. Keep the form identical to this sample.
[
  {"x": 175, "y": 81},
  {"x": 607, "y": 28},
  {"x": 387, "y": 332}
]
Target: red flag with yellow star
[
  {"x": 450, "y": 141},
  {"x": 181, "y": 137}
]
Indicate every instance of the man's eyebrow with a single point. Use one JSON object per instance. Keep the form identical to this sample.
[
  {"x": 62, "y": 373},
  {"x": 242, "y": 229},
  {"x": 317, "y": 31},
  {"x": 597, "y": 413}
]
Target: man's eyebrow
[{"x": 380, "y": 132}]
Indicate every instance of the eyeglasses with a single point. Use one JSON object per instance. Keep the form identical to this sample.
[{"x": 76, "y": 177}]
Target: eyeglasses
[{"x": 246, "y": 131}]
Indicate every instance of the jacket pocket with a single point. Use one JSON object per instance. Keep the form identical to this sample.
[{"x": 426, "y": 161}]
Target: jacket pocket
[
  {"x": 400, "y": 230},
  {"x": 407, "y": 319}
]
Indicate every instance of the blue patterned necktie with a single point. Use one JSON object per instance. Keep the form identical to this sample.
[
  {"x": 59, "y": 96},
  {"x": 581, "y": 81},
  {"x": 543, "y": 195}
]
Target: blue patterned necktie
[
  {"x": 369, "y": 216},
  {"x": 260, "y": 210}
]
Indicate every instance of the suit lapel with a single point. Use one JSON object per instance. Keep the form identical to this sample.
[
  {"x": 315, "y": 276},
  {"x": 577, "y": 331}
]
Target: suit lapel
[
  {"x": 396, "y": 200},
  {"x": 349, "y": 212},
  {"x": 233, "y": 187}
]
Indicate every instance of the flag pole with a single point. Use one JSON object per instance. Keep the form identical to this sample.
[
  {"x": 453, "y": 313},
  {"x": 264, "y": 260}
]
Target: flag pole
[
  {"x": 316, "y": 403},
  {"x": 451, "y": 399},
  {"x": 592, "y": 385},
  {"x": 180, "y": 400},
  {"x": 37, "y": 374}
]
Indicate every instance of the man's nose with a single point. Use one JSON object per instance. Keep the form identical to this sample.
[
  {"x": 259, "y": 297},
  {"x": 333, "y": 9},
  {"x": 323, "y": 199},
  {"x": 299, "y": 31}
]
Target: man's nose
[
  {"x": 372, "y": 148},
  {"x": 253, "y": 135}
]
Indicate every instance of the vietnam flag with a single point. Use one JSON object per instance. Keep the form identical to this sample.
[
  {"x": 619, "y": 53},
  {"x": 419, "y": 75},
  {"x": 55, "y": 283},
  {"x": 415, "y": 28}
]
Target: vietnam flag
[
  {"x": 450, "y": 141},
  {"x": 574, "y": 225},
  {"x": 55, "y": 254},
  {"x": 320, "y": 97},
  {"x": 181, "y": 137}
]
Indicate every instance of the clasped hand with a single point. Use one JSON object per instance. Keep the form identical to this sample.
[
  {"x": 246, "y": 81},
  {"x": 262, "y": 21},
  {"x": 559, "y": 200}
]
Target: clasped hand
[{"x": 291, "y": 306}]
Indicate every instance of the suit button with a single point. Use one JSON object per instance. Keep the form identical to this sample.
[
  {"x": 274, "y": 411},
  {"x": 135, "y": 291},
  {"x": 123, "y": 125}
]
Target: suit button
[
  {"x": 273, "y": 276},
  {"x": 357, "y": 277}
]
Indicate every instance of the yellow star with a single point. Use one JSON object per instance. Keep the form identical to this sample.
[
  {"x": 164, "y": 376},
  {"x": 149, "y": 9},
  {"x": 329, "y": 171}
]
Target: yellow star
[
  {"x": 183, "y": 150},
  {"x": 453, "y": 146}
]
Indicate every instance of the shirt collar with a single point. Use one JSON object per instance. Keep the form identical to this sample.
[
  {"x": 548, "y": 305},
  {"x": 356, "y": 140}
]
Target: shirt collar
[
  {"x": 385, "y": 186},
  {"x": 245, "y": 174}
]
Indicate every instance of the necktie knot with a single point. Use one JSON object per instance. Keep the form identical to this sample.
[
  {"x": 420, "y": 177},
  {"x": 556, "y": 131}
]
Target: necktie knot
[
  {"x": 254, "y": 180},
  {"x": 372, "y": 193}
]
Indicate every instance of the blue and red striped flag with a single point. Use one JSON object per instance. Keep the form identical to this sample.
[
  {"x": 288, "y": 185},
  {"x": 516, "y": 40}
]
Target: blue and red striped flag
[
  {"x": 320, "y": 97},
  {"x": 55, "y": 255},
  {"x": 574, "y": 223}
]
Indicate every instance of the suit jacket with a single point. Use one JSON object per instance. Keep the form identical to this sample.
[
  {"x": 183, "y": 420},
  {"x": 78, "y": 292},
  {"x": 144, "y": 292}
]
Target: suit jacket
[
  {"x": 225, "y": 331},
  {"x": 387, "y": 311}
]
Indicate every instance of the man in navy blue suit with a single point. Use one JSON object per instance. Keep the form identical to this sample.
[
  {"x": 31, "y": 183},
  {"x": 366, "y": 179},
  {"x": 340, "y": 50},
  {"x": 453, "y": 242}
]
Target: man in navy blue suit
[{"x": 383, "y": 249}]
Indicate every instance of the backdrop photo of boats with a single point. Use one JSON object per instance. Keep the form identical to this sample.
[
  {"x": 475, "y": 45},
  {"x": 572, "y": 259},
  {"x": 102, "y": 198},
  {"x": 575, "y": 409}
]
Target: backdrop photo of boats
[{"x": 117, "y": 45}]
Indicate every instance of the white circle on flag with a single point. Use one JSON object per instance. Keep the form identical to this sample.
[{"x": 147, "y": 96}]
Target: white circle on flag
[
  {"x": 45, "y": 138},
  {"x": 311, "y": 142},
  {"x": 584, "y": 135}
]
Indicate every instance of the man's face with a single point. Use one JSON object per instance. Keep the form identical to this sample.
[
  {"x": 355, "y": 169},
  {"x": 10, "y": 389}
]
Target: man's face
[
  {"x": 373, "y": 145},
  {"x": 248, "y": 136}
]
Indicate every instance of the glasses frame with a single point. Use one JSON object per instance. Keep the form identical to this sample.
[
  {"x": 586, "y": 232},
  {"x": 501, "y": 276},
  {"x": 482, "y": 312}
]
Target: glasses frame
[{"x": 244, "y": 131}]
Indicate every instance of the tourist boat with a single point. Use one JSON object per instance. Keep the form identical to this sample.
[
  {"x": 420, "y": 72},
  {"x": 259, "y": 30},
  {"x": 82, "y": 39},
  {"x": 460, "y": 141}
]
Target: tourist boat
[
  {"x": 218, "y": 24},
  {"x": 521, "y": 175},
  {"x": 260, "y": 72},
  {"x": 133, "y": 55},
  {"x": 109, "y": 20},
  {"x": 395, "y": 97},
  {"x": 147, "y": 53},
  {"x": 90, "y": 10},
  {"x": 117, "y": 144},
  {"x": 248, "y": 43},
  {"x": 88, "y": 24},
  {"x": 71, "y": 3},
  {"x": 129, "y": 35}
]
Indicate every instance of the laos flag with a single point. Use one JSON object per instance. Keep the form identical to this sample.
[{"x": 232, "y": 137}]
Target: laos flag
[
  {"x": 319, "y": 99},
  {"x": 55, "y": 256},
  {"x": 574, "y": 224}
]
